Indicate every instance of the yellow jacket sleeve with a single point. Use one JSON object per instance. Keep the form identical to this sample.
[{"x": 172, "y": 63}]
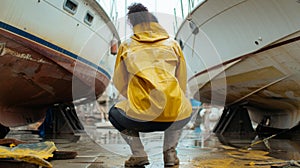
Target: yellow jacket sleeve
[
  {"x": 181, "y": 73},
  {"x": 120, "y": 78}
]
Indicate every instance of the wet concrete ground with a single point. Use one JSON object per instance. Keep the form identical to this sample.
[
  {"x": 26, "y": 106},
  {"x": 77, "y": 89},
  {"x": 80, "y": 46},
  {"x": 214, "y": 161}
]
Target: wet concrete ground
[{"x": 103, "y": 147}]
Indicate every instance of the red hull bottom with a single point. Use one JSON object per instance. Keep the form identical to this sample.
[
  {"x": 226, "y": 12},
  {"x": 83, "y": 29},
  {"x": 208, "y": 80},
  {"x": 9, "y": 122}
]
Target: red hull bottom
[{"x": 33, "y": 78}]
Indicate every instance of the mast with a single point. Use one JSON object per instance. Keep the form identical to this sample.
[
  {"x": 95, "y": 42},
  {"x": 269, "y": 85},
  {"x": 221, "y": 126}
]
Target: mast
[{"x": 125, "y": 19}]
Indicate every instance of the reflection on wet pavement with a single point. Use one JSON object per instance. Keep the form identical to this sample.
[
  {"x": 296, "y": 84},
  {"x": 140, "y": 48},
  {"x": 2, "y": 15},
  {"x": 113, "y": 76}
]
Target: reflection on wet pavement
[{"x": 102, "y": 146}]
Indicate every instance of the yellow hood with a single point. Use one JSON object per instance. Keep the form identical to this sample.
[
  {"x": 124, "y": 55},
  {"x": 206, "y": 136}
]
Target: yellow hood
[{"x": 149, "y": 32}]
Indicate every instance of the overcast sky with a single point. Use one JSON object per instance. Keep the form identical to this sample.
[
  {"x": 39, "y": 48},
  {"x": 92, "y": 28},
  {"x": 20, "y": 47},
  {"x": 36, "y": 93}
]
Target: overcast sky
[
  {"x": 163, "y": 9},
  {"x": 165, "y": 6}
]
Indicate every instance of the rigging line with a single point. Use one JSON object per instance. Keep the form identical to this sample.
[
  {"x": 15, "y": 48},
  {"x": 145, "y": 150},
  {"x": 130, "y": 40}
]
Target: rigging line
[
  {"x": 265, "y": 139},
  {"x": 193, "y": 51}
]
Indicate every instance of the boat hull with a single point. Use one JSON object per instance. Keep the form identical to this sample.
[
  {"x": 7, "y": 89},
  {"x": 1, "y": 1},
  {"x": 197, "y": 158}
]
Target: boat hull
[
  {"x": 39, "y": 70},
  {"x": 246, "y": 55}
]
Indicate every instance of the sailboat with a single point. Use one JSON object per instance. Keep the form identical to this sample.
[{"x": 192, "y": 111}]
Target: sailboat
[
  {"x": 52, "y": 52},
  {"x": 246, "y": 53}
]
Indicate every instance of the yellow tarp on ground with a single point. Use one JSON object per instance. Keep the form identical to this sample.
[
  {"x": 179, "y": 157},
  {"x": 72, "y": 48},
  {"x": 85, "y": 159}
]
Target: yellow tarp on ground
[
  {"x": 229, "y": 157},
  {"x": 34, "y": 153}
]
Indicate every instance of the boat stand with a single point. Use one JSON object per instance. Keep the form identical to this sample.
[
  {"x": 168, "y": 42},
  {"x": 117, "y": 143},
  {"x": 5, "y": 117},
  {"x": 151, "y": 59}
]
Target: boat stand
[
  {"x": 3, "y": 131},
  {"x": 61, "y": 119},
  {"x": 235, "y": 121}
]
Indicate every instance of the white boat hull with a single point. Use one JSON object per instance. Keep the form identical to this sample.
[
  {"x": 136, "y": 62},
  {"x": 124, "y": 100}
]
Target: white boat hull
[{"x": 246, "y": 51}]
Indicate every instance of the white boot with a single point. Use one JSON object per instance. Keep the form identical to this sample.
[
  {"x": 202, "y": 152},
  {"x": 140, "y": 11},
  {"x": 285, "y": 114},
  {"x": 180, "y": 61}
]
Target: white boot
[
  {"x": 170, "y": 158},
  {"x": 139, "y": 156},
  {"x": 171, "y": 139}
]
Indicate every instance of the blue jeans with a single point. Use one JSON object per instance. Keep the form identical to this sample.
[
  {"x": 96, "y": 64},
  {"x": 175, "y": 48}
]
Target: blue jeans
[{"x": 121, "y": 121}]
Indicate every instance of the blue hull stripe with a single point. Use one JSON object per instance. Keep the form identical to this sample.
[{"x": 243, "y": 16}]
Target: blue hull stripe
[{"x": 52, "y": 46}]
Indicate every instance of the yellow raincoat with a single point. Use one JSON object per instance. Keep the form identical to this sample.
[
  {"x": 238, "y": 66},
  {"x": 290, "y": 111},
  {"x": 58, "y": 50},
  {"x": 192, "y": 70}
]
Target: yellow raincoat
[{"x": 150, "y": 71}]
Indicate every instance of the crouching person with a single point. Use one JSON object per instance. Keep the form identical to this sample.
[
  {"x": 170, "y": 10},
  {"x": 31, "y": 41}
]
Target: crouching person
[{"x": 150, "y": 72}]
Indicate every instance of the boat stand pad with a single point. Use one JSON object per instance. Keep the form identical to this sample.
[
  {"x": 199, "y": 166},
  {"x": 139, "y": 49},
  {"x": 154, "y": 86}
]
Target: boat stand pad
[
  {"x": 61, "y": 119},
  {"x": 235, "y": 121},
  {"x": 3, "y": 131}
]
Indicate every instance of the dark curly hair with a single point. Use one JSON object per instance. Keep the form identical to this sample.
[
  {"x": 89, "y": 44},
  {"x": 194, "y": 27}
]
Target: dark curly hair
[{"x": 138, "y": 13}]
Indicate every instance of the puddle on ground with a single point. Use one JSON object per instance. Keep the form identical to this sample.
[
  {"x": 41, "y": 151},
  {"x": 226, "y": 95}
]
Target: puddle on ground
[
  {"x": 199, "y": 150},
  {"x": 196, "y": 149}
]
